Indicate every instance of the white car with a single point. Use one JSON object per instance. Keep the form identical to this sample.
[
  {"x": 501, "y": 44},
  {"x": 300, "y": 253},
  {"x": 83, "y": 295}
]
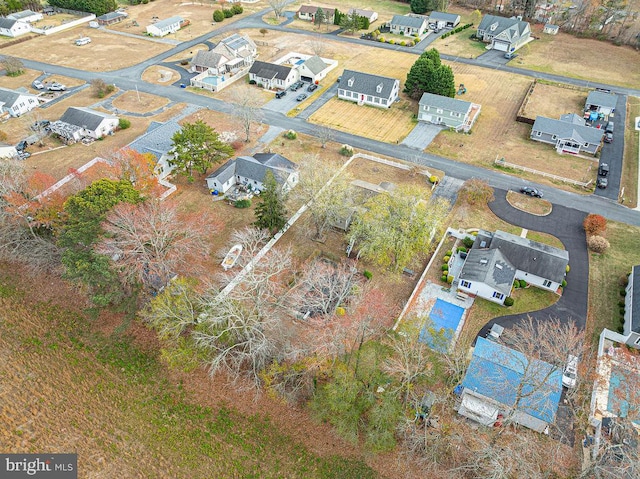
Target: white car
[
  {"x": 37, "y": 84},
  {"x": 56, "y": 87},
  {"x": 570, "y": 374}
]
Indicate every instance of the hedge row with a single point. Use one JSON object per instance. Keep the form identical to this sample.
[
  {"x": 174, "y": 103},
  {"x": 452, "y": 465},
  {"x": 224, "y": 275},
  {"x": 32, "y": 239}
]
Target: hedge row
[{"x": 456, "y": 30}]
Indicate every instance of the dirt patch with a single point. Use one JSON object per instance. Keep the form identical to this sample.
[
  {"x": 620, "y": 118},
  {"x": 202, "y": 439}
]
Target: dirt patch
[
  {"x": 535, "y": 206},
  {"x": 139, "y": 102},
  {"x": 554, "y": 99}
]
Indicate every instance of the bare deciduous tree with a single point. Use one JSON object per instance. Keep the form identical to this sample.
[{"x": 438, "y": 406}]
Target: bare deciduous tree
[
  {"x": 247, "y": 108},
  {"x": 325, "y": 135},
  {"x": 278, "y": 6},
  {"x": 12, "y": 65}
]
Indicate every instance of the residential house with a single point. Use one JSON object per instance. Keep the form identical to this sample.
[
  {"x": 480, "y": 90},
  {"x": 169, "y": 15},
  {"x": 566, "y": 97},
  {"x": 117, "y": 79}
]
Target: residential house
[
  {"x": 504, "y": 34},
  {"x": 602, "y": 102},
  {"x": 26, "y": 16},
  {"x": 313, "y": 69},
  {"x": 8, "y": 151},
  {"x": 77, "y": 123},
  {"x": 451, "y": 112},
  {"x": 251, "y": 170},
  {"x": 308, "y": 12},
  {"x": 16, "y": 103},
  {"x": 501, "y": 382},
  {"x": 271, "y": 76},
  {"x": 13, "y": 28},
  {"x": 631, "y": 326},
  {"x": 411, "y": 25},
  {"x": 551, "y": 29},
  {"x": 497, "y": 259},
  {"x": 569, "y": 134},
  {"x": 158, "y": 141},
  {"x": 365, "y": 88},
  {"x": 368, "y": 14},
  {"x": 165, "y": 27},
  {"x": 440, "y": 20},
  {"x": 111, "y": 18},
  {"x": 229, "y": 55}
]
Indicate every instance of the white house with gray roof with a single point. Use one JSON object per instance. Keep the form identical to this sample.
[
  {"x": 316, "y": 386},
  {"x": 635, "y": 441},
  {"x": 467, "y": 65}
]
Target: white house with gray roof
[
  {"x": 272, "y": 76},
  {"x": 165, "y": 27},
  {"x": 368, "y": 89},
  {"x": 13, "y": 28},
  {"x": 16, "y": 103},
  {"x": 251, "y": 170},
  {"x": 368, "y": 14},
  {"x": 442, "y": 110},
  {"x": 28, "y": 16},
  {"x": 601, "y": 101},
  {"x": 411, "y": 25},
  {"x": 631, "y": 327},
  {"x": 497, "y": 259},
  {"x": 158, "y": 142},
  {"x": 504, "y": 34},
  {"x": 313, "y": 69},
  {"x": 440, "y": 20},
  {"x": 229, "y": 55},
  {"x": 569, "y": 134},
  {"x": 79, "y": 122}
]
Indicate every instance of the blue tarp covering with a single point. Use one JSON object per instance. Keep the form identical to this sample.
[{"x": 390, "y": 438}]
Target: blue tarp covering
[{"x": 445, "y": 318}]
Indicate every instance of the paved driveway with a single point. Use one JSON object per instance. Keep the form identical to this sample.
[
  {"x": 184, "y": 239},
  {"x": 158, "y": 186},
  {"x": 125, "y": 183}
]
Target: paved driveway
[
  {"x": 289, "y": 102},
  {"x": 612, "y": 153},
  {"x": 493, "y": 58},
  {"x": 566, "y": 224},
  {"x": 422, "y": 135}
]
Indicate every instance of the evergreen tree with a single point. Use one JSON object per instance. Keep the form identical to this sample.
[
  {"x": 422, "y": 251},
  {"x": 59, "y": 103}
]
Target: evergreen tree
[
  {"x": 320, "y": 17},
  {"x": 429, "y": 75},
  {"x": 419, "y": 6},
  {"x": 271, "y": 212}
]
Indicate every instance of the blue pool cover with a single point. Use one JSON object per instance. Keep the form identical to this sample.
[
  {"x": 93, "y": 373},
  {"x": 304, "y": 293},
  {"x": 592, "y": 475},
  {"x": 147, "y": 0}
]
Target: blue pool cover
[{"x": 445, "y": 318}]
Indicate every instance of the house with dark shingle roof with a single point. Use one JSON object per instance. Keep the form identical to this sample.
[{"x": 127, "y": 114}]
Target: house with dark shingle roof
[
  {"x": 497, "y": 259},
  {"x": 451, "y": 112},
  {"x": 158, "y": 142},
  {"x": 308, "y": 12},
  {"x": 111, "y": 18},
  {"x": 13, "y": 28},
  {"x": 229, "y": 55},
  {"x": 16, "y": 103},
  {"x": 80, "y": 122},
  {"x": 408, "y": 25},
  {"x": 251, "y": 170},
  {"x": 601, "y": 101},
  {"x": 271, "y": 75},
  {"x": 501, "y": 380},
  {"x": 365, "y": 88},
  {"x": 440, "y": 20},
  {"x": 569, "y": 134},
  {"x": 504, "y": 34}
]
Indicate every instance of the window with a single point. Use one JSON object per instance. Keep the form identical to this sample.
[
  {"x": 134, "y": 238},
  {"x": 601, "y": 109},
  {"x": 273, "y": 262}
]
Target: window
[
  {"x": 369, "y": 98},
  {"x": 554, "y": 137},
  {"x": 439, "y": 110},
  {"x": 384, "y": 102},
  {"x": 547, "y": 283},
  {"x": 465, "y": 284},
  {"x": 350, "y": 82},
  {"x": 586, "y": 145},
  {"x": 538, "y": 133},
  {"x": 638, "y": 341},
  {"x": 498, "y": 295},
  {"x": 379, "y": 88}
]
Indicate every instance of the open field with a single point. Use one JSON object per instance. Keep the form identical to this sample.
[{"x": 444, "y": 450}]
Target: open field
[
  {"x": 629, "y": 179},
  {"x": 105, "y": 52},
  {"x": 26, "y": 79},
  {"x": 160, "y": 75},
  {"x": 139, "y": 102},
  {"x": 553, "y": 100}
]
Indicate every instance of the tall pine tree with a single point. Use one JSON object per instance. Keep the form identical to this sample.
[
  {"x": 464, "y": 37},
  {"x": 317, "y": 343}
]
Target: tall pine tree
[
  {"x": 271, "y": 212},
  {"x": 429, "y": 75}
]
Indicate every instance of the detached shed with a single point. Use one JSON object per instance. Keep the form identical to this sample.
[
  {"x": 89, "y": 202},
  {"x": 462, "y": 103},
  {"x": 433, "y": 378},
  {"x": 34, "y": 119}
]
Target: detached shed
[
  {"x": 551, "y": 29},
  {"x": 601, "y": 101}
]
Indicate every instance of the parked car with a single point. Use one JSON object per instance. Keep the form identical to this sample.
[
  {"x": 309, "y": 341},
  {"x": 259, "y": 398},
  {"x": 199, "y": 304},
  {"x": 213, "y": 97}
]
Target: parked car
[
  {"x": 280, "y": 94},
  {"x": 609, "y": 127},
  {"x": 602, "y": 183},
  {"x": 23, "y": 155},
  {"x": 37, "y": 84},
  {"x": 608, "y": 137},
  {"x": 528, "y": 190},
  {"x": 603, "y": 170},
  {"x": 40, "y": 125},
  {"x": 22, "y": 145},
  {"x": 339, "y": 78},
  {"x": 312, "y": 87},
  {"x": 83, "y": 41},
  {"x": 301, "y": 96},
  {"x": 296, "y": 86},
  {"x": 570, "y": 374},
  {"x": 510, "y": 55},
  {"x": 56, "y": 87}
]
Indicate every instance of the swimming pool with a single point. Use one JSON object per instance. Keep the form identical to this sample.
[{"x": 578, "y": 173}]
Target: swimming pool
[
  {"x": 212, "y": 80},
  {"x": 445, "y": 318}
]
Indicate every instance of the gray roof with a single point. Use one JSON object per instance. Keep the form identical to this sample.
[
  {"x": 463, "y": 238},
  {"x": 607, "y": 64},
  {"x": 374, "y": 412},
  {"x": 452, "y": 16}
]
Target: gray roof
[
  {"x": 21, "y": 15},
  {"x": 270, "y": 70},
  {"x": 363, "y": 13},
  {"x": 635, "y": 299},
  {"x": 208, "y": 58},
  {"x": 226, "y": 171},
  {"x": 567, "y": 130},
  {"x": 111, "y": 16},
  {"x": 157, "y": 140},
  {"x": 315, "y": 64},
  {"x": 10, "y": 97},
  {"x": 407, "y": 21},
  {"x": 446, "y": 17},
  {"x": 255, "y": 167},
  {"x": 168, "y": 22},
  {"x": 573, "y": 118},
  {"x": 7, "y": 23},
  {"x": 550, "y": 26},
  {"x": 601, "y": 98},
  {"x": 526, "y": 255},
  {"x": 238, "y": 41},
  {"x": 367, "y": 84},
  {"x": 84, "y": 117},
  {"x": 491, "y": 267},
  {"x": 507, "y": 28},
  {"x": 444, "y": 102}
]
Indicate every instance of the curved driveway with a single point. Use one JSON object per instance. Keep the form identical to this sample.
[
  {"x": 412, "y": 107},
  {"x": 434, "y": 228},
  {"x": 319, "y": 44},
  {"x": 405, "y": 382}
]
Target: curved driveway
[{"x": 566, "y": 224}]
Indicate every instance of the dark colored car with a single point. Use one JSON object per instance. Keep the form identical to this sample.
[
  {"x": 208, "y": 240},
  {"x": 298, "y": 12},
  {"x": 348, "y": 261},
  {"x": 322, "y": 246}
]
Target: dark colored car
[
  {"x": 608, "y": 137},
  {"x": 528, "y": 190},
  {"x": 609, "y": 127},
  {"x": 22, "y": 145},
  {"x": 40, "y": 125},
  {"x": 280, "y": 94},
  {"x": 603, "y": 170},
  {"x": 602, "y": 183},
  {"x": 301, "y": 96},
  {"x": 312, "y": 87},
  {"x": 296, "y": 86}
]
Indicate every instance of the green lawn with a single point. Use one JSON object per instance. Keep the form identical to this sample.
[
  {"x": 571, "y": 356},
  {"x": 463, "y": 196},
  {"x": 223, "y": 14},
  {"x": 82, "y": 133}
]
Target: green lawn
[{"x": 630, "y": 167}]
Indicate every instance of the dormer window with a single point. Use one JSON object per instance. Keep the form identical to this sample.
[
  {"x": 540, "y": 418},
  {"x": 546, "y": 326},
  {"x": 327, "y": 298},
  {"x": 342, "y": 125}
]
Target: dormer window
[
  {"x": 350, "y": 82},
  {"x": 379, "y": 88},
  {"x": 493, "y": 27}
]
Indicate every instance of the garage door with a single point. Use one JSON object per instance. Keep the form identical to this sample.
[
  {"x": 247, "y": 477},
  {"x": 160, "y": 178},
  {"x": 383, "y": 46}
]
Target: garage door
[
  {"x": 426, "y": 118},
  {"x": 502, "y": 46}
]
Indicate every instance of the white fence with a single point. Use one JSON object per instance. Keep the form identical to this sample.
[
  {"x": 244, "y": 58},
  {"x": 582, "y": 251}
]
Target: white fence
[
  {"x": 502, "y": 162},
  {"x": 197, "y": 81},
  {"x": 64, "y": 26}
]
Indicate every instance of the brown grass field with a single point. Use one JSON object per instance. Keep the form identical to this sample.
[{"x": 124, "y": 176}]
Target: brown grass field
[
  {"x": 553, "y": 100},
  {"x": 160, "y": 75},
  {"x": 139, "y": 102}
]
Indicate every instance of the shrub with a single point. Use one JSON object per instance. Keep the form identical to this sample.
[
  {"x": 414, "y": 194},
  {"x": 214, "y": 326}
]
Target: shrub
[
  {"x": 367, "y": 274},
  {"x": 410, "y": 44},
  {"x": 461, "y": 249},
  {"x": 252, "y": 82},
  {"x": 594, "y": 224},
  {"x": 446, "y": 259},
  {"x": 516, "y": 284},
  {"x": 264, "y": 31},
  {"x": 227, "y": 13},
  {"x": 346, "y": 150},
  {"x": 242, "y": 204},
  {"x": 597, "y": 244},
  {"x": 237, "y": 9},
  {"x": 184, "y": 62},
  {"x": 623, "y": 292},
  {"x": 448, "y": 253},
  {"x": 468, "y": 242},
  {"x": 381, "y": 39},
  {"x": 564, "y": 283},
  {"x": 508, "y": 301},
  {"x": 237, "y": 144},
  {"x": 434, "y": 179},
  {"x": 445, "y": 267},
  {"x": 218, "y": 16},
  {"x": 568, "y": 268},
  {"x": 523, "y": 283},
  {"x": 123, "y": 123},
  {"x": 621, "y": 304},
  {"x": 621, "y": 329},
  {"x": 444, "y": 278},
  {"x": 291, "y": 135},
  {"x": 340, "y": 311},
  {"x": 449, "y": 279},
  {"x": 403, "y": 43},
  {"x": 391, "y": 42}
]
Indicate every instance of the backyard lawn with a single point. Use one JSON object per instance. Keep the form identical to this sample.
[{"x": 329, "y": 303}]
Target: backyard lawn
[
  {"x": 555, "y": 99},
  {"x": 631, "y": 155}
]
